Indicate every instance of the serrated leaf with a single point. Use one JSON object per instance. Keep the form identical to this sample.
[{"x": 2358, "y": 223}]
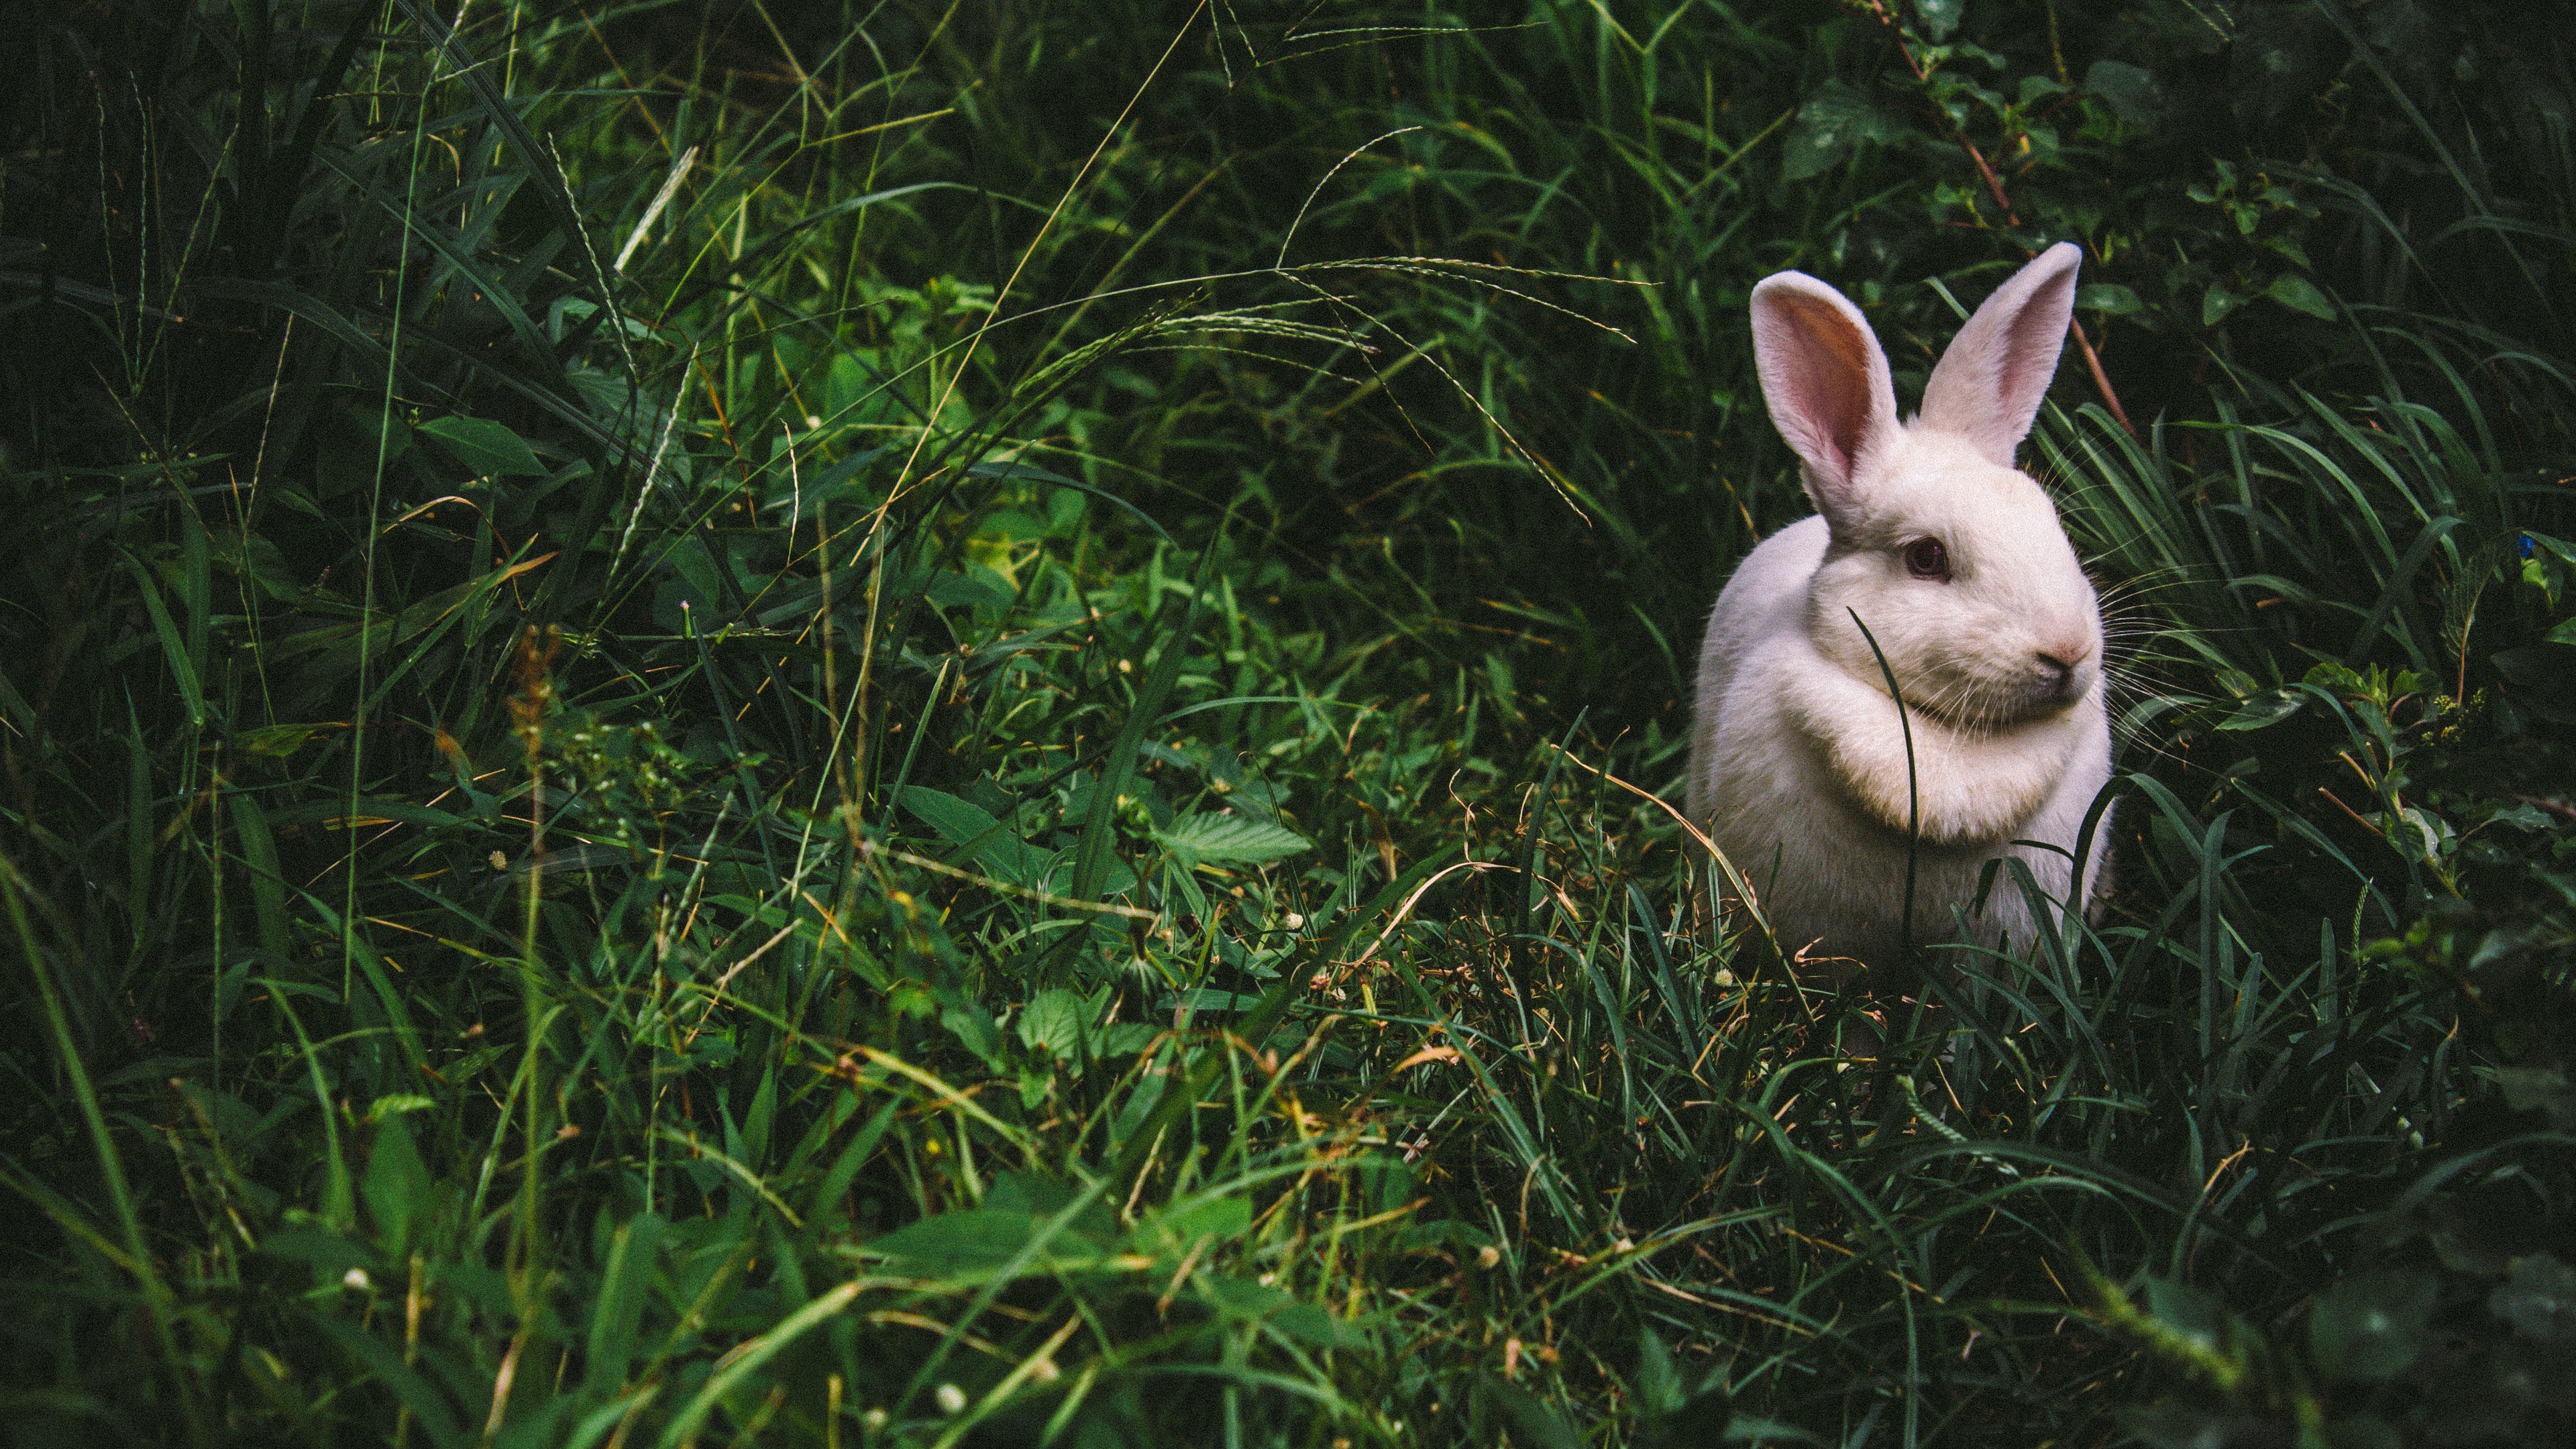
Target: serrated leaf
[
  {"x": 1055, "y": 1022},
  {"x": 1231, "y": 839},
  {"x": 485, "y": 446},
  {"x": 1833, "y": 121}
]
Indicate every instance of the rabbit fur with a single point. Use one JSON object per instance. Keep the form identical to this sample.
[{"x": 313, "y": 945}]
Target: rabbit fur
[{"x": 1798, "y": 760}]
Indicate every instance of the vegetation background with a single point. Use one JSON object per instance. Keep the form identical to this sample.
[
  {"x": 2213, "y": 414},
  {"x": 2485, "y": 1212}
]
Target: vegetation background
[{"x": 949, "y": 724}]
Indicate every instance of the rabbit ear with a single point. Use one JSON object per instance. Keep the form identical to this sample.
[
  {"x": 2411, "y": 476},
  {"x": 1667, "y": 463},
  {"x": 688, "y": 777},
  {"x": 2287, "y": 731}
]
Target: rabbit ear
[
  {"x": 1826, "y": 382},
  {"x": 1989, "y": 384}
]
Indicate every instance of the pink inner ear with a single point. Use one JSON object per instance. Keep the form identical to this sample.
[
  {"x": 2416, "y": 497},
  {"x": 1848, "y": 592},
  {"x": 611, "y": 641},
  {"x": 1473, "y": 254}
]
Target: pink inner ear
[
  {"x": 1989, "y": 384},
  {"x": 1824, "y": 378}
]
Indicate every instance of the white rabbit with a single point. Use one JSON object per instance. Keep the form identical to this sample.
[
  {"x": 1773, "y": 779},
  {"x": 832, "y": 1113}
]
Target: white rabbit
[{"x": 1955, "y": 560}]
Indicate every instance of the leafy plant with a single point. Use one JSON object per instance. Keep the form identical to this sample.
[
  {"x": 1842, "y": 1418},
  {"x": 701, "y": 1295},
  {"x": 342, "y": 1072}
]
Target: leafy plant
[{"x": 775, "y": 724}]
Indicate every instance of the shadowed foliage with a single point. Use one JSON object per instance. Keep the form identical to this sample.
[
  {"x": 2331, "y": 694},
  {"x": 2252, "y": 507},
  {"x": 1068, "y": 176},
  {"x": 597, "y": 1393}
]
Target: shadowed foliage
[{"x": 941, "y": 725}]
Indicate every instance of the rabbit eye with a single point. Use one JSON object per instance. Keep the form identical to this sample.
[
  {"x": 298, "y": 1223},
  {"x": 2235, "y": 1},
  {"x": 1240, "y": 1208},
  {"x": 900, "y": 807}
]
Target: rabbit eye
[{"x": 1925, "y": 558}]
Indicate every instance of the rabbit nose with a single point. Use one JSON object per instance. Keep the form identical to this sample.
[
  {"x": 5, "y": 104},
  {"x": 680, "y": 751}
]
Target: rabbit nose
[{"x": 2057, "y": 674}]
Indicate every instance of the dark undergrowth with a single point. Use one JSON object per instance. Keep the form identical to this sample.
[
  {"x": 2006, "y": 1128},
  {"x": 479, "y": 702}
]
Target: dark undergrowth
[{"x": 743, "y": 724}]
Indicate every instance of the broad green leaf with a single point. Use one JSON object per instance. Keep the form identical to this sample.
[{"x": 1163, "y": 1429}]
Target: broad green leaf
[
  {"x": 623, "y": 1289},
  {"x": 1172, "y": 1231},
  {"x": 975, "y": 1240},
  {"x": 987, "y": 840},
  {"x": 487, "y": 447},
  {"x": 1836, "y": 119},
  {"x": 397, "y": 1186},
  {"x": 1939, "y": 17},
  {"x": 2300, "y": 295},
  {"x": 1230, "y": 839},
  {"x": 1533, "y": 1421},
  {"x": 430, "y": 1409},
  {"x": 2132, "y": 94},
  {"x": 2266, "y": 709},
  {"x": 2108, "y": 297},
  {"x": 1054, "y": 1022},
  {"x": 2370, "y": 1326}
]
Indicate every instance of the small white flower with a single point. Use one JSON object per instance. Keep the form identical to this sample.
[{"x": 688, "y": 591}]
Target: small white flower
[
  {"x": 1296, "y": 922},
  {"x": 356, "y": 1280},
  {"x": 952, "y": 1400},
  {"x": 874, "y": 1420}
]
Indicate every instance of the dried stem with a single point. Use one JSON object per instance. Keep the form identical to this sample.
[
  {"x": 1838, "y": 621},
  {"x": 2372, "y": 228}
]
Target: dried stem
[{"x": 2012, "y": 218}]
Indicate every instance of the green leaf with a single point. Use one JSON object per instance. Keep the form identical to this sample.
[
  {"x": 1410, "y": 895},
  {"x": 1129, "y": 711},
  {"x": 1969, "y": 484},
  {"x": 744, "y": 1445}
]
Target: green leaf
[
  {"x": 619, "y": 1309},
  {"x": 2266, "y": 709},
  {"x": 1231, "y": 839},
  {"x": 395, "y": 1104},
  {"x": 1533, "y": 1421},
  {"x": 987, "y": 840},
  {"x": 2300, "y": 295},
  {"x": 397, "y": 1186},
  {"x": 2038, "y": 88},
  {"x": 2564, "y": 633},
  {"x": 2108, "y": 297},
  {"x": 1939, "y": 17},
  {"x": 2524, "y": 817},
  {"x": 485, "y": 446},
  {"x": 2370, "y": 1326},
  {"x": 974, "y": 1241},
  {"x": 2538, "y": 1297},
  {"x": 956, "y": 1242},
  {"x": 1834, "y": 120},
  {"x": 1055, "y": 1022},
  {"x": 1173, "y": 1231},
  {"x": 173, "y": 648},
  {"x": 1209, "y": 998},
  {"x": 2215, "y": 306},
  {"x": 2132, "y": 93}
]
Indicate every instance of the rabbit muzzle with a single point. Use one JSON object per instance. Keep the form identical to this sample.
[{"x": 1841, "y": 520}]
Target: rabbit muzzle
[{"x": 2057, "y": 679}]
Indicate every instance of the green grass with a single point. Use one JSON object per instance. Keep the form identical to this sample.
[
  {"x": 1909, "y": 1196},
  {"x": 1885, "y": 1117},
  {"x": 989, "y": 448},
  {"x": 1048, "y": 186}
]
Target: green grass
[{"x": 746, "y": 724}]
